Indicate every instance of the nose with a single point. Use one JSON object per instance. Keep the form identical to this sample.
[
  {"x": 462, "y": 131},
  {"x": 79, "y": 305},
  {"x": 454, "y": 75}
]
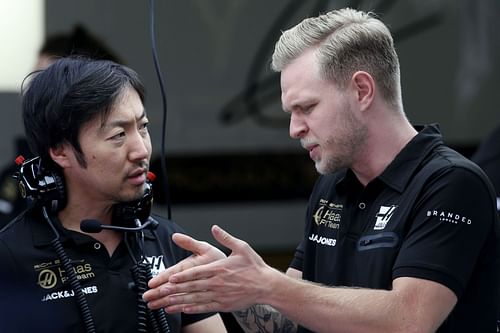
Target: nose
[
  {"x": 298, "y": 127},
  {"x": 140, "y": 147}
]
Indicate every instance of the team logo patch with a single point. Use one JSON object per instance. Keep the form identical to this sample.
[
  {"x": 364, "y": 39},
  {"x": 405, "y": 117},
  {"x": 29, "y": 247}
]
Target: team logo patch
[
  {"x": 328, "y": 214},
  {"x": 383, "y": 216},
  {"x": 157, "y": 265}
]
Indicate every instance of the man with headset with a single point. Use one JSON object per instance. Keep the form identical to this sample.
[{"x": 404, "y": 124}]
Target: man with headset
[
  {"x": 86, "y": 123},
  {"x": 401, "y": 231}
]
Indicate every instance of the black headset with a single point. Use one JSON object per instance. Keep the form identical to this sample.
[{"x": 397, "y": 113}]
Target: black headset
[
  {"x": 40, "y": 185},
  {"x": 46, "y": 187}
]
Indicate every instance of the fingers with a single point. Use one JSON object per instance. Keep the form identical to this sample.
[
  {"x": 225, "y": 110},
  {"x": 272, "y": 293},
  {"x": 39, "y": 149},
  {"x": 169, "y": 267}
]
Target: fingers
[
  {"x": 194, "y": 308},
  {"x": 194, "y": 273},
  {"x": 161, "y": 296},
  {"x": 190, "y": 244},
  {"x": 176, "y": 296},
  {"x": 226, "y": 239},
  {"x": 164, "y": 276},
  {"x": 187, "y": 243}
]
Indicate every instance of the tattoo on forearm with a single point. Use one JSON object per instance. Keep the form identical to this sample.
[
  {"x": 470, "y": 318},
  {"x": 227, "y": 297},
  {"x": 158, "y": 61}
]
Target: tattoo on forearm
[{"x": 264, "y": 319}]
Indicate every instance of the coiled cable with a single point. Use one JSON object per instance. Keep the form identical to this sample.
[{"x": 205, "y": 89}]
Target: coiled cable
[{"x": 74, "y": 283}]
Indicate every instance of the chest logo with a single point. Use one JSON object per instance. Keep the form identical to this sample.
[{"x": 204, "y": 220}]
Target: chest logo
[
  {"x": 328, "y": 214},
  {"x": 383, "y": 216},
  {"x": 47, "y": 279},
  {"x": 157, "y": 265}
]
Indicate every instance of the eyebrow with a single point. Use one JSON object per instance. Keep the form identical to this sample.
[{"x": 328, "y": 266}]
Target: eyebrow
[{"x": 122, "y": 123}]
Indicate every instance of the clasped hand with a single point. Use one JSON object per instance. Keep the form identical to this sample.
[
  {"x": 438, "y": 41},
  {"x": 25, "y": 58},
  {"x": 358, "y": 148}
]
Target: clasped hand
[{"x": 208, "y": 280}]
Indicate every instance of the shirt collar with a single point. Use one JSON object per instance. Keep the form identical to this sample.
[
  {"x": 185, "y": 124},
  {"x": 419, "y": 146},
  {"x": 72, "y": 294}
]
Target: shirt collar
[
  {"x": 400, "y": 171},
  {"x": 42, "y": 233}
]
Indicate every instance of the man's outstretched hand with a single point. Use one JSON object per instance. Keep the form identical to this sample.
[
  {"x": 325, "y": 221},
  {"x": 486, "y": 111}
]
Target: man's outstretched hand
[{"x": 209, "y": 281}]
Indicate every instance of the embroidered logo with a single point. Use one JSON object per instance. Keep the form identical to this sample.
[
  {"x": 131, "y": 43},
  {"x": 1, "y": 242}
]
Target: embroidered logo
[
  {"x": 383, "y": 216},
  {"x": 328, "y": 214}
]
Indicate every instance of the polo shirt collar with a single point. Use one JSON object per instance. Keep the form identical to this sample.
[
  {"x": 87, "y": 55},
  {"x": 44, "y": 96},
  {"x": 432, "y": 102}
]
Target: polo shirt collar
[
  {"x": 401, "y": 170},
  {"x": 41, "y": 232}
]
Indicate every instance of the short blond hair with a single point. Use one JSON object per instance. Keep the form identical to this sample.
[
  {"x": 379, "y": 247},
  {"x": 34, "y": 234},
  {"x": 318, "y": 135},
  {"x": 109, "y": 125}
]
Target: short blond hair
[{"x": 347, "y": 41}]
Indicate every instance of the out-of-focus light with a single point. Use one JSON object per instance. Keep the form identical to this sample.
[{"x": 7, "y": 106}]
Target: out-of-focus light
[{"x": 21, "y": 34}]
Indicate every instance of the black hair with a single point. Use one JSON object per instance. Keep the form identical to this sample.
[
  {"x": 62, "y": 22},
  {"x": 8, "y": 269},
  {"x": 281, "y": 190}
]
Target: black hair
[{"x": 60, "y": 99}]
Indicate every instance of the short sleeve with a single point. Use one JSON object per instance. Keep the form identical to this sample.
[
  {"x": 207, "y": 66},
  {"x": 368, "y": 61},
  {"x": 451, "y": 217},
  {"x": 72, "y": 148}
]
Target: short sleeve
[
  {"x": 298, "y": 258},
  {"x": 453, "y": 219}
]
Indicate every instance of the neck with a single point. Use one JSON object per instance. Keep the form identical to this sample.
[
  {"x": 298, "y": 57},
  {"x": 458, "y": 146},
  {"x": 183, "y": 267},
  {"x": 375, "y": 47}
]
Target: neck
[{"x": 384, "y": 142}]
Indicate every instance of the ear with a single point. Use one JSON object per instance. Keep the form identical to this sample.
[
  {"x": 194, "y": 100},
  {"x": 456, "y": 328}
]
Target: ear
[
  {"x": 60, "y": 155},
  {"x": 364, "y": 86}
]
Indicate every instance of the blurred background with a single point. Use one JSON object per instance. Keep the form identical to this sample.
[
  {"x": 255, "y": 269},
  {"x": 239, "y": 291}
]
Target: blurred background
[{"x": 229, "y": 158}]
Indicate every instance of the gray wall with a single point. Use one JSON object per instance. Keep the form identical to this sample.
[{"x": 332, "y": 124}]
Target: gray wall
[{"x": 448, "y": 52}]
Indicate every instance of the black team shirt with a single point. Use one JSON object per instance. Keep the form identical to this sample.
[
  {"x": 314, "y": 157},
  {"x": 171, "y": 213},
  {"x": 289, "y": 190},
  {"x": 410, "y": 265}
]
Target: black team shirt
[
  {"x": 431, "y": 215},
  {"x": 37, "y": 297}
]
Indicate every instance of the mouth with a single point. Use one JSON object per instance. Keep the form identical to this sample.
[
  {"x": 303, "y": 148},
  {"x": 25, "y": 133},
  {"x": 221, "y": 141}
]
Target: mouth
[
  {"x": 137, "y": 177},
  {"x": 313, "y": 151},
  {"x": 310, "y": 147}
]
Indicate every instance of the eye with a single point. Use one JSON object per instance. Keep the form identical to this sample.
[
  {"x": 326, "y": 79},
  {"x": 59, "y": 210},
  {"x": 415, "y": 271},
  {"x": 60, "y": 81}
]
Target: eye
[
  {"x": 118, "y": 136},
  {"x": 143, "y": 128},
  {"x": 308, "y": 108}
]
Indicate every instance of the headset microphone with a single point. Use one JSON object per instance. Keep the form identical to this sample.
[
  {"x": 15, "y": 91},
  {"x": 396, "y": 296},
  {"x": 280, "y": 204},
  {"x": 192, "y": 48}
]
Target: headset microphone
[{"x": 95, "y": 226}]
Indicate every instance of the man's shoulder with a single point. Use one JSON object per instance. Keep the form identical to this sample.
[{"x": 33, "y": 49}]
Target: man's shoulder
[
  {"x": 450, "y": 169},
  {"x": 15, "y": 228},
  {"x": 445, "y": 158}
]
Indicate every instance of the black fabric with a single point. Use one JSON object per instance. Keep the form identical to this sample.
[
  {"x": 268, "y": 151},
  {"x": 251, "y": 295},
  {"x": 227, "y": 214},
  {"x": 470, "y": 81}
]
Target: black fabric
[
  {"x": 430, "y": 215},
  {"x": 28, "y": 263}
]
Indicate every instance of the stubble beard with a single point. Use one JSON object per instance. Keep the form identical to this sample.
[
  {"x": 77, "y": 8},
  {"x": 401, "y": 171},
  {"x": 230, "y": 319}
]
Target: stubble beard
[
  {"x": 347, "y": 146},
  {"x": 130, "y": 195}
]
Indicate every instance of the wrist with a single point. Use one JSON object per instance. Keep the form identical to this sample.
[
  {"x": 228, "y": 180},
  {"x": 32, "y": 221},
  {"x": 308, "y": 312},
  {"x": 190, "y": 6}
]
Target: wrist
[{"x": 273, "y": 287}]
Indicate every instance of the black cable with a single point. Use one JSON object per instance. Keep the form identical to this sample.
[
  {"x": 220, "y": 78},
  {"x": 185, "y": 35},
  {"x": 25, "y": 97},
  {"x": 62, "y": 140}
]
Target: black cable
[
  {"x": 141, "y": 274},
  {"x": 75, "y": 284},
  {"x": 160, "y": 244},
  {"x": 159, "y": 315},
  {"x": 142, "y": 309},
  {"x": 164, "y": 104}
]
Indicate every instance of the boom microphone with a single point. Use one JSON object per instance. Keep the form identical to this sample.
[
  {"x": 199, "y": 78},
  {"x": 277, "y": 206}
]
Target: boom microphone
[{"x": 94, "y": 226}]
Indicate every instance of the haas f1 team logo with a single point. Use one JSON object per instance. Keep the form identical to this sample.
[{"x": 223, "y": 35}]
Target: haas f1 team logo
[{"x": 383, "y": 216}]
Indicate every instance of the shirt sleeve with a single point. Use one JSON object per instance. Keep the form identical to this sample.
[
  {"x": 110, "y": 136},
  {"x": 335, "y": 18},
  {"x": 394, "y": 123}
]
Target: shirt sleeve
[
  {"x": 298, "y": 258},
  {"x": 453, "y": 222}
]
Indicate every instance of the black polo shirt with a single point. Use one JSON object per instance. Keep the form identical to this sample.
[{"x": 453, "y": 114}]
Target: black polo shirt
[
  {"x": 430, "y": 215},
  {"x": 28, "y": 262}
]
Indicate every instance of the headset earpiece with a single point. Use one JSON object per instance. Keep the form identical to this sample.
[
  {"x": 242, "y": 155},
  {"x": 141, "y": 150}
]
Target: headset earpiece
[{"x": 43, "y": 186}]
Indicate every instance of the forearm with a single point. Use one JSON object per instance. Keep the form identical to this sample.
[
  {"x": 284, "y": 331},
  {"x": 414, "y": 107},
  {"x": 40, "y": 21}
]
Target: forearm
[
  {"x": 323, "y": 309},
  {"x": 409, "y": 307},
  {"x": 264, "y": 319}
]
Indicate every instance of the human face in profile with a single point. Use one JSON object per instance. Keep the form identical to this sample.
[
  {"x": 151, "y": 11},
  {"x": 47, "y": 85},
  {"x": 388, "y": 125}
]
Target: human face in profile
[
  {"x": 116, "y": 151},
  {"x": 321, "y": 116}
]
